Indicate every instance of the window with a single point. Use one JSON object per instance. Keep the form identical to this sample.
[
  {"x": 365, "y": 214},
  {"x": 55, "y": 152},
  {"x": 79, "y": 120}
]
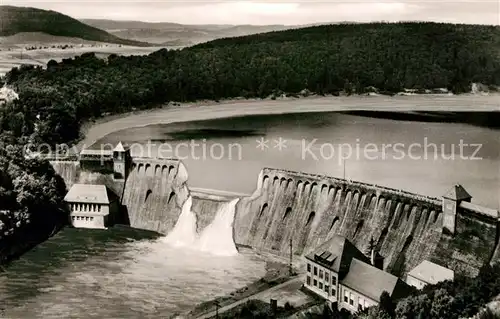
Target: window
[
  {"x": 315, "y": 271},
  {"x": 320, "y": 285},
  {"x": 315, "y": 283},
  {"x": 346, "y": 296},
  {"x": 326, "y": 276},
  {"x": 327, "y": 288},
  {"x": 351, "y": 299},
  {"x": 334, "y": 281},
  {"x": 321, "y": 274},
  {"x": 360, "y": 308},
  {"x": 360, "y": 304},
  {"x": 91, "y": 218},
  {"x": 308, "y": 267},
  {"x": 308, "y": 281},
  {"x": 333, "y": 292}
]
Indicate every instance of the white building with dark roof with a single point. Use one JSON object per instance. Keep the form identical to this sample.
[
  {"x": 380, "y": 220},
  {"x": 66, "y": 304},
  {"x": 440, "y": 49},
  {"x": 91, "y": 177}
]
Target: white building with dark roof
[
  {"x": 92, "y": 206},
  {"x": 343, "y": 275},
  {"x": 428, "y": 273}
]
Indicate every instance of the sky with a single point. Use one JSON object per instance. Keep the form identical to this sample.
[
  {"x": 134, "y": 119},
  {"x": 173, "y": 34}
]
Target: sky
[{"x": 275, "y": 12}]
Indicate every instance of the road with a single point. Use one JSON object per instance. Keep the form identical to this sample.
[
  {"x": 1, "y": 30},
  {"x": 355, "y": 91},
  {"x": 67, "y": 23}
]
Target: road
[{"x": 255, "y": 296}]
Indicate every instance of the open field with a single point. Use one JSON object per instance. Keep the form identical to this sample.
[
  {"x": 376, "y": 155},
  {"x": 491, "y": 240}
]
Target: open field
[
  {"x": 13, "y": 49},
  {"x": 16, "y": 57}
]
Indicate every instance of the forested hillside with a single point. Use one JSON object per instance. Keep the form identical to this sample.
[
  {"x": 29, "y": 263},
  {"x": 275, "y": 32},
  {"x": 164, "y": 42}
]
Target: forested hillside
[
  {"x": 31, "y": 200},
  {"x": 323, "y": 59},
  {"x": 20, "y": 19}
]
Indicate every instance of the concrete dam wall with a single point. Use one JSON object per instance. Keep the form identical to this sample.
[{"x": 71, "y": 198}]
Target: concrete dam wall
[
  {"x": 151, "y": 196},
  {"x": 308, "y": 210},
  {"x": 154, "y": 193},
  {"x": 72, "y": 173},
  {"x": 407, "y": 228}
]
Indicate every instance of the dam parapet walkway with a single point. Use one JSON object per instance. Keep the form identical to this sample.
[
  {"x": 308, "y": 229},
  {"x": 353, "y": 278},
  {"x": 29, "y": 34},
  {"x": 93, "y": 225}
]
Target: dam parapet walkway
[{"x": 350, "y": 183}]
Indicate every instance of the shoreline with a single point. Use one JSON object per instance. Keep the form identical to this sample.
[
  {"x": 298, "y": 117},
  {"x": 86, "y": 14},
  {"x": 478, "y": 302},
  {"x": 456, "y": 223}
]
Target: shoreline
[
  {"x": 96, "y": 129},
  {"x": 277, "y": 272}
]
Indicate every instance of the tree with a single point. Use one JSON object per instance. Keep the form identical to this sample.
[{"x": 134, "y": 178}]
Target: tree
[
  {"x": 442, "y": 305},
  {"x": 386, "y": 304}
]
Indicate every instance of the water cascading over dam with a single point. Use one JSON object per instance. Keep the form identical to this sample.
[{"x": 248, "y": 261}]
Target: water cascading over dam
[
  {"x": 407, "y": 228},
  {"x": 216, "y": 238}
]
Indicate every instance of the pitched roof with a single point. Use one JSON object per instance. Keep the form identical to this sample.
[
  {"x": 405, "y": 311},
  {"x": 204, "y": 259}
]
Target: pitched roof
[
  {"x": 490, "y": 212},
  {"x": 431, "y": 273},
  {"x": 369, "y": 280},
  {"x": 336, "y": 254},
  {"x": 87, "y": 193},
  {"x": 457, "y": 193},
  {"x": 119, "y": 147}
]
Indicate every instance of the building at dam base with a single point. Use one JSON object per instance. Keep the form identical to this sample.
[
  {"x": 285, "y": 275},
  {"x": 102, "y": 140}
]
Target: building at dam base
[
  {"x": 428, "y": 273},
  {"x": 308, "y": 209},
  {"x": 91, "y": 206},
  {"x": 344, "y": 276}
]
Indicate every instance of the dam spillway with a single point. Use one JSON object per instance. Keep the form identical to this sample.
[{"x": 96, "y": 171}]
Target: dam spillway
[
  {"x": 306, "y": 209},
  {"x": 216, "y": 238}
]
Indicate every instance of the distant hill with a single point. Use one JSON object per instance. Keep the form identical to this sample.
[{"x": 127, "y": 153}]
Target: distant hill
[
  {"x": 180, "y": 34},
  {"x": 14, "y": 20}
]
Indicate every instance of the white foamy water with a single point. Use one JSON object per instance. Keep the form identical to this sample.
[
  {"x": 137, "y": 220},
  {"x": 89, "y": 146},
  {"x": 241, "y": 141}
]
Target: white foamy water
[
  {"x": 184, "y": 233},
  {"x": 216, "y": 238}
]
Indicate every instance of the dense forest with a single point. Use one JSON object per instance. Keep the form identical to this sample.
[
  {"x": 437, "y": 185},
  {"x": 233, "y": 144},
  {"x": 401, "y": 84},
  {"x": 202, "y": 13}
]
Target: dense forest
[
  {"x": 31, "y": 200},
  {"x": 351, "y": 58}
]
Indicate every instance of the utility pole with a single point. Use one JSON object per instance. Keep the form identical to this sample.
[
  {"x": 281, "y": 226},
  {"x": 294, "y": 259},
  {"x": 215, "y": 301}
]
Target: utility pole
[
  {"x": 291, "y": 254},
  {"x": 217, "y": 305},
  {"x": 344, "y": 168}
]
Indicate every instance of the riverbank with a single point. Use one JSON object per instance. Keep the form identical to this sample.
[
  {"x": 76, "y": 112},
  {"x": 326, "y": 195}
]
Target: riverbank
[
  {"x": 276, "y": 273},
  {"x": 206, "y": 110}
]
